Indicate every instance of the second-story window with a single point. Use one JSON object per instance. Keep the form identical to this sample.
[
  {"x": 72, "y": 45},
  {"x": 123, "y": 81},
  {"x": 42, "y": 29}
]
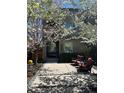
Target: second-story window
[{"x": 69, "y": 22}]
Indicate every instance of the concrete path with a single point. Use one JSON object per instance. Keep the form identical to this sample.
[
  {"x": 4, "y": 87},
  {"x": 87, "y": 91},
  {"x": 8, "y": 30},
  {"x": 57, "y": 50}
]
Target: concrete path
[
  {"x": 52, "y": 69},
  {"x": 59, "y": 78},
  {"x": 55, "y": 68}
]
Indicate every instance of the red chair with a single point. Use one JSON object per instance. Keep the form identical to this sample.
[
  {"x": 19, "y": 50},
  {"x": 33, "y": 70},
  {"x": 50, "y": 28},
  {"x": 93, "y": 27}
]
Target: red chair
[{"x": 86, "y": 67}]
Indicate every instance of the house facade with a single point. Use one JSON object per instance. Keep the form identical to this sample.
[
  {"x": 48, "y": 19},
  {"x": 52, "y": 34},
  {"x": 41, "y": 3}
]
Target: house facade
[{"x": 64, "y": 50}]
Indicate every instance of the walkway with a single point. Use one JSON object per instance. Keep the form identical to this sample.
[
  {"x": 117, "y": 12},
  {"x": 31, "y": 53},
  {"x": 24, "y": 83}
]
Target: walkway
[{"x": 61, "y": 78}]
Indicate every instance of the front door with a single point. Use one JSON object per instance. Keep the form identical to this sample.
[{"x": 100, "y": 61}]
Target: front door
[{"x": 53, "y": 50}]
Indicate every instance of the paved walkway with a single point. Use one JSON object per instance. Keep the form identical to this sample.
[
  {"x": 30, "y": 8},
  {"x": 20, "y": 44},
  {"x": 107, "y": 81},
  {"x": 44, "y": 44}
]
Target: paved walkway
[
  {"x": 59, "y": 78},
  {"x": 50, "y": 69}
]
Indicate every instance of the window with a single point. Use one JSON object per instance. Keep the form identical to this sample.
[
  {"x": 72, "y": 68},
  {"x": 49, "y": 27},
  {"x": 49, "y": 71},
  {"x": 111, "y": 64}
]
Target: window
[
  {"x": 68, "y": 47},
  {"x": 52, "y": 47},
  {"x": 69, "y": 22}
]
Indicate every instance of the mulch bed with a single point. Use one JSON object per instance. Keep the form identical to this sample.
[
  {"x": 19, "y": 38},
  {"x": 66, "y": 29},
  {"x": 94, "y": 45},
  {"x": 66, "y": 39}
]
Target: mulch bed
[{"x": 31, "y": 70}]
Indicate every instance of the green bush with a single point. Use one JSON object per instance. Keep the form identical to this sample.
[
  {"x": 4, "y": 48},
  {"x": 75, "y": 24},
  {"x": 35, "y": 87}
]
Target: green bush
[{"x": 67, "y": 57}]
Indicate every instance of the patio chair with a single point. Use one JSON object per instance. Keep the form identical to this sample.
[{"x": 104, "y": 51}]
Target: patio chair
[{"x": 86, "y": 67}]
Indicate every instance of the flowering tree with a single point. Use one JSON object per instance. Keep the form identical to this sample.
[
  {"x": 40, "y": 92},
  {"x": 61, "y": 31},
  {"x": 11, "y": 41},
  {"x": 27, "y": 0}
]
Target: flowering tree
[
  {"x": 85, "y": 23},
  {"x": 46, "y": 22}
]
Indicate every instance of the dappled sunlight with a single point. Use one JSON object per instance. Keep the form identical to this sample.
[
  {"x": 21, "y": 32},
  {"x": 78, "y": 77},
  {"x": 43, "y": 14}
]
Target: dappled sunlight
[{"x": 45, "y": 81}]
